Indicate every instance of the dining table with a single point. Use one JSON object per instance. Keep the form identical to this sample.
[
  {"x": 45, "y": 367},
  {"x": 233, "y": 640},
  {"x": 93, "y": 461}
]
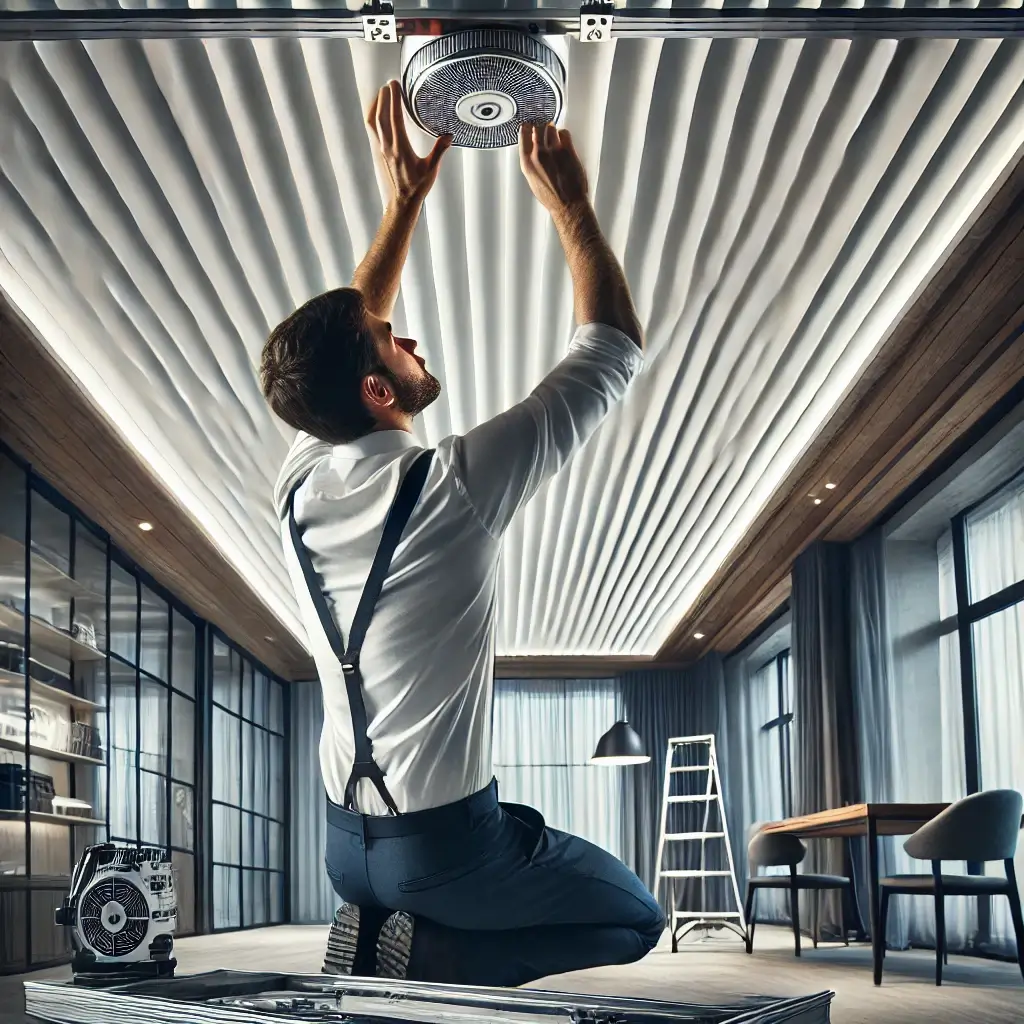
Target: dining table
[{"x": 870, "y": 821}]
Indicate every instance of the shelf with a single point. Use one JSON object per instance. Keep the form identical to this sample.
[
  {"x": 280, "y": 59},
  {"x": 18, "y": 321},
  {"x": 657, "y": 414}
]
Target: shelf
[
  {"x": 46, "y": 692},
  {"x": 47, "y": 637},
  {"x": 67, "y": 820},
  {"x": 52, "y": 755},
  {"x": 45, "y": 575}
]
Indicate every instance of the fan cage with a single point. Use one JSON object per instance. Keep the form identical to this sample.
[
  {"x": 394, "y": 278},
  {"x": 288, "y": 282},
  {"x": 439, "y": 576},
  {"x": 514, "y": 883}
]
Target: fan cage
[
  {"x": 136, "y": 909},
  {"x": 486, "y": 60}
]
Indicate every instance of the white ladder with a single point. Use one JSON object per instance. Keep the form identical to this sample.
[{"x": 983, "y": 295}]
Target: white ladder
[{"x": 683, "y": 920}]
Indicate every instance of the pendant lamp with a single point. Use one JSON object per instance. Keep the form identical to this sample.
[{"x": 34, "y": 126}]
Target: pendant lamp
[{"x": 620, "y": 745}]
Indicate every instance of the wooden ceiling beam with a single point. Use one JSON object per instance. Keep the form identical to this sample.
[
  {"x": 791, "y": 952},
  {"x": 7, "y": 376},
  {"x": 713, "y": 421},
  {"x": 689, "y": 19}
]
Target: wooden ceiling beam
[{"x": 52, "y": 423}]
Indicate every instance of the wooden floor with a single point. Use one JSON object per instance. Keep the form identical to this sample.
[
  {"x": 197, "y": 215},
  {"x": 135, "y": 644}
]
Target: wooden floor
[{"x": 717, "y": 970}]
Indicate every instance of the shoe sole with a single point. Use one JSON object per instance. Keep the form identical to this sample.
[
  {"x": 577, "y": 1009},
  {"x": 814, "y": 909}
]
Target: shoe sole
[
  {"x": 394, "y": 946},
  {"x": 342, "y": 940}
]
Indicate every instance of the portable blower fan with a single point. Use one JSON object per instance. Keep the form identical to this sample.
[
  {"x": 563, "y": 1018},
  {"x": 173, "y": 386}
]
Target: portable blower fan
[
  {"x": 480, "y": 84},
  {"x": 121, "y": 913}
]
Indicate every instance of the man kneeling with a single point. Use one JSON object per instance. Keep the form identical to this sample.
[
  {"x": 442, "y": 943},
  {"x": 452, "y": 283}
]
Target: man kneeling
[{"x": 399, "y": 547}]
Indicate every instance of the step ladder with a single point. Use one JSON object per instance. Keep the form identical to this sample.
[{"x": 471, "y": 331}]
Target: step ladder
[{"x": 694, "y": 757}]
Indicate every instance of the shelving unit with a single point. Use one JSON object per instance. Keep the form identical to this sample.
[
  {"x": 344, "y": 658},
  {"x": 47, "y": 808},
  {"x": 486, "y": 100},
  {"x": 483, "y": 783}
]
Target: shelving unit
[
  {"x": 45, "y": 577},
  {"x": 41, "y": 818},
  {"x": 55, "y": 568},
  {"x": 44, "y": 636},
  {"x": 44, "y": 691},
  {"x": 18, "y": 746}
]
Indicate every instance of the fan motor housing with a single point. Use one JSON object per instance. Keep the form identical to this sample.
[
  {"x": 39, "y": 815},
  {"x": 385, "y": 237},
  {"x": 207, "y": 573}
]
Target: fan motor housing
[{"x": 480, "y": 84}]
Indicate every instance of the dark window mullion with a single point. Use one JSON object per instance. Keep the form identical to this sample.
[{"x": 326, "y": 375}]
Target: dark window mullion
[
  {"x": 972, "y": 765},
  {"x": 995, "y": 603},
  {"x": 241, "y": 793},
  {"x": 969, "y": 692}
]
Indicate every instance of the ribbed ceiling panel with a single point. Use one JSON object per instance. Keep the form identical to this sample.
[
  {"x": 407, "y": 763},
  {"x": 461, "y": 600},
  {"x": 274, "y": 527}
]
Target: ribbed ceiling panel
[{"x": 777, "y": 204}]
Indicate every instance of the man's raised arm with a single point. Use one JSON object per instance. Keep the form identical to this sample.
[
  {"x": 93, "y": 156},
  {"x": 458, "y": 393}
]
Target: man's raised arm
[
  {"x": 557, "y": 178},
  {"x": 503, "y": 462},
  {"x": 410, "y": 177}
]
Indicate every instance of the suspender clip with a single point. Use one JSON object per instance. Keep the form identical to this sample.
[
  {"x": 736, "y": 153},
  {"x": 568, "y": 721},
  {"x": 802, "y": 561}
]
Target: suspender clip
[{"x": 349, "y": 667}]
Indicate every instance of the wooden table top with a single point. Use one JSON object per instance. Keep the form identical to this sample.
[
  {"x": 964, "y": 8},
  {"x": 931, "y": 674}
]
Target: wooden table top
[{"x": 842, "y": 822}]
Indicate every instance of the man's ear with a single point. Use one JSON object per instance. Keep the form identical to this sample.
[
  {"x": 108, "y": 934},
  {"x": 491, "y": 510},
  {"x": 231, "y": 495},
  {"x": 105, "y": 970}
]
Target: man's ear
[{"x": 377, "y": 392}]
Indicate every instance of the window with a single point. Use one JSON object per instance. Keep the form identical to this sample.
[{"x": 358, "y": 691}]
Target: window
[
  {"x": 773, "y": 686},
  {"x": 248, "y": 752},
  {"x": 989, "y": 561},
  {"x": 152, "y": 680}
]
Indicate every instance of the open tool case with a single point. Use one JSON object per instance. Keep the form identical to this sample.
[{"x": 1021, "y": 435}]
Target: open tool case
[{"x": 235, "y": 997}]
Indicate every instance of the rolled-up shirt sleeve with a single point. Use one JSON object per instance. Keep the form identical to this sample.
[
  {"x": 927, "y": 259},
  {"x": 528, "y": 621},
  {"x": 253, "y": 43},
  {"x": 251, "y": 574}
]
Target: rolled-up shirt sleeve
[{"x": 502, "y": 463}]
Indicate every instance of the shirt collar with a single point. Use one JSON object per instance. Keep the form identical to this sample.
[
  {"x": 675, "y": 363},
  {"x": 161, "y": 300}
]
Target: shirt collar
[{"x": 380, "y": 442}]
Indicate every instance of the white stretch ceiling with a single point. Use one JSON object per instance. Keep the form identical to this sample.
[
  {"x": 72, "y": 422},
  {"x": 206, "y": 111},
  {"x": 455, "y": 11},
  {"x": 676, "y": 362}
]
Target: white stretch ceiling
[{"x": 776, "y": 204}]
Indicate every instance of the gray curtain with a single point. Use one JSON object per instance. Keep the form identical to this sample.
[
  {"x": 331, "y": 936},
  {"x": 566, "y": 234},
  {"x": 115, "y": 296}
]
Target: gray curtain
[
  {"x": 660, "y": 705},
  {"x": 825, "y": 761},
  {"x": 872, "y": 674},
  {"x": 313, "y": 898}
]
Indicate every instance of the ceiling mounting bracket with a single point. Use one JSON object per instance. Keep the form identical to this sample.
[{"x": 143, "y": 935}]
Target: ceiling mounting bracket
[
  {"x": 379, "y": 24},
  {"x": 596, "y": 21}
]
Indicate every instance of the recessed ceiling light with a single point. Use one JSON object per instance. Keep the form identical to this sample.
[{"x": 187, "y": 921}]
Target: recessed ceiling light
[
  {"x": 698, "y": 636},
  {"x": 269, "y": 639},
  {"x": 817, "y": 501},
  {"x": 145, "y": 527},
  {"x": 830, "y": 487}
]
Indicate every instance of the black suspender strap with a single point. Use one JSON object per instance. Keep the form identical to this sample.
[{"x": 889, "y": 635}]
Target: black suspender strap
[{"x": 364, "y": 767}]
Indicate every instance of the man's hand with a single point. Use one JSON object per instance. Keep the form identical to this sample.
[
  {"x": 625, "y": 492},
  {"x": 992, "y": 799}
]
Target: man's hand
[
  {"x": 411, "y": 176},
  {"x": 552, "y": 167}
]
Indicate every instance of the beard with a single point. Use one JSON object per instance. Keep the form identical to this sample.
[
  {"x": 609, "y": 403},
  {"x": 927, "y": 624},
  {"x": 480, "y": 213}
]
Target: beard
[{"x": 414, "y": 393}]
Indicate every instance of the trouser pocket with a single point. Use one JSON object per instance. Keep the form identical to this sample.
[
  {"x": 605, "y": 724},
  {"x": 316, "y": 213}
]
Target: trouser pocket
[{"x": 533, "y": 822}]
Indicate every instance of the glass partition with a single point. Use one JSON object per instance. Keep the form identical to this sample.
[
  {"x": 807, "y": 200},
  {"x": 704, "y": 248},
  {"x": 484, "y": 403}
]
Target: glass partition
[{"x": 248, "y": 788}]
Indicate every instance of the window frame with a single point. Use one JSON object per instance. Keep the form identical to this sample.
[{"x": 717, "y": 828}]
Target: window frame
[
  {"x": 784, "y": 723},
  {"x": 967, "y": 614},
  {"x": 242, "y": 718}
]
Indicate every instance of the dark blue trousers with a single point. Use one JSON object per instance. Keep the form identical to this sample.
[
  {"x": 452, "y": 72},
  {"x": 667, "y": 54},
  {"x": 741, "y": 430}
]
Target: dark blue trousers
[{"x": 498, "y": 897}]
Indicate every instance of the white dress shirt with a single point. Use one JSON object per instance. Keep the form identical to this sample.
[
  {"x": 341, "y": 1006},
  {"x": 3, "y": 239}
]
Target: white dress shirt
[{"x": 428, "y": 658}]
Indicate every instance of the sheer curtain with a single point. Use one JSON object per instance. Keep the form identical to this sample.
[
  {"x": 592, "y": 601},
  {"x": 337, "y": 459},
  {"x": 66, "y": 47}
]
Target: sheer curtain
[
  {"x": 752, "y": 765},
  {"x": 544, "y": 735},
  {"x": 871, "y": 665},
  {"x": 927, "y": 714},
  {"x": 995, "y": 547}
]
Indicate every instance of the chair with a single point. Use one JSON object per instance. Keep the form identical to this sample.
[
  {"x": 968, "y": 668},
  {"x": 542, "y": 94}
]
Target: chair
[
  {"x": 781, "y": 850},
  {"x": 980, "y": 828}
]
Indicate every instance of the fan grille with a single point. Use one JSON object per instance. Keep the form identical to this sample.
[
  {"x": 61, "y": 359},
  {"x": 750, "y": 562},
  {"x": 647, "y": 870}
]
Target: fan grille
[
  {"x": 518, "y": 78},
  {"x": 136, "y": 917}
]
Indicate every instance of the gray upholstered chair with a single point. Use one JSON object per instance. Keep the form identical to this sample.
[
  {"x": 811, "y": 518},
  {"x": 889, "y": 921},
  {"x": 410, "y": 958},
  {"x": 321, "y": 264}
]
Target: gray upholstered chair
[
  {"x": 980, "y": 828},
  {"x": 777, "y": 849}
]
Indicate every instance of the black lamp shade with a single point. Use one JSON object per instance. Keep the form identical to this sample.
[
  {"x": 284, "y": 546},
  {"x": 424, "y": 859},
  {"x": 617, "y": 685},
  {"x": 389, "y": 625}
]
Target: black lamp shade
[{"x": 620, "y": 745}]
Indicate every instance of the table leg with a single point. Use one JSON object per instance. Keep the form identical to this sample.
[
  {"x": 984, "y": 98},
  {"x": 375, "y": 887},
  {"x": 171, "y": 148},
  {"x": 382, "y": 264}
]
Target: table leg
[
  {"x": 877, "y": 939},
  {"x": 861, "y": 933}
]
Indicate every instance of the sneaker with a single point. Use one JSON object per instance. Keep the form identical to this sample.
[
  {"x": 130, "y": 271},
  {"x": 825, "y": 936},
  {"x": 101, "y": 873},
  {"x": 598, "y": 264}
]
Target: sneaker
[
  {"x": 342, "y": 940},
  {"x": 394, "y": 946}
]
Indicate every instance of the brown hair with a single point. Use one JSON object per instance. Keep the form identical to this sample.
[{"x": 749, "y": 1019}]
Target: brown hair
[{"x": 314, "y": 364}]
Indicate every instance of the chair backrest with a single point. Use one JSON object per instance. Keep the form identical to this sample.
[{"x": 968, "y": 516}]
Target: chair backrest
[
  {"x": 774, "y": 849},
  {"x": 978, "y": 828}
]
